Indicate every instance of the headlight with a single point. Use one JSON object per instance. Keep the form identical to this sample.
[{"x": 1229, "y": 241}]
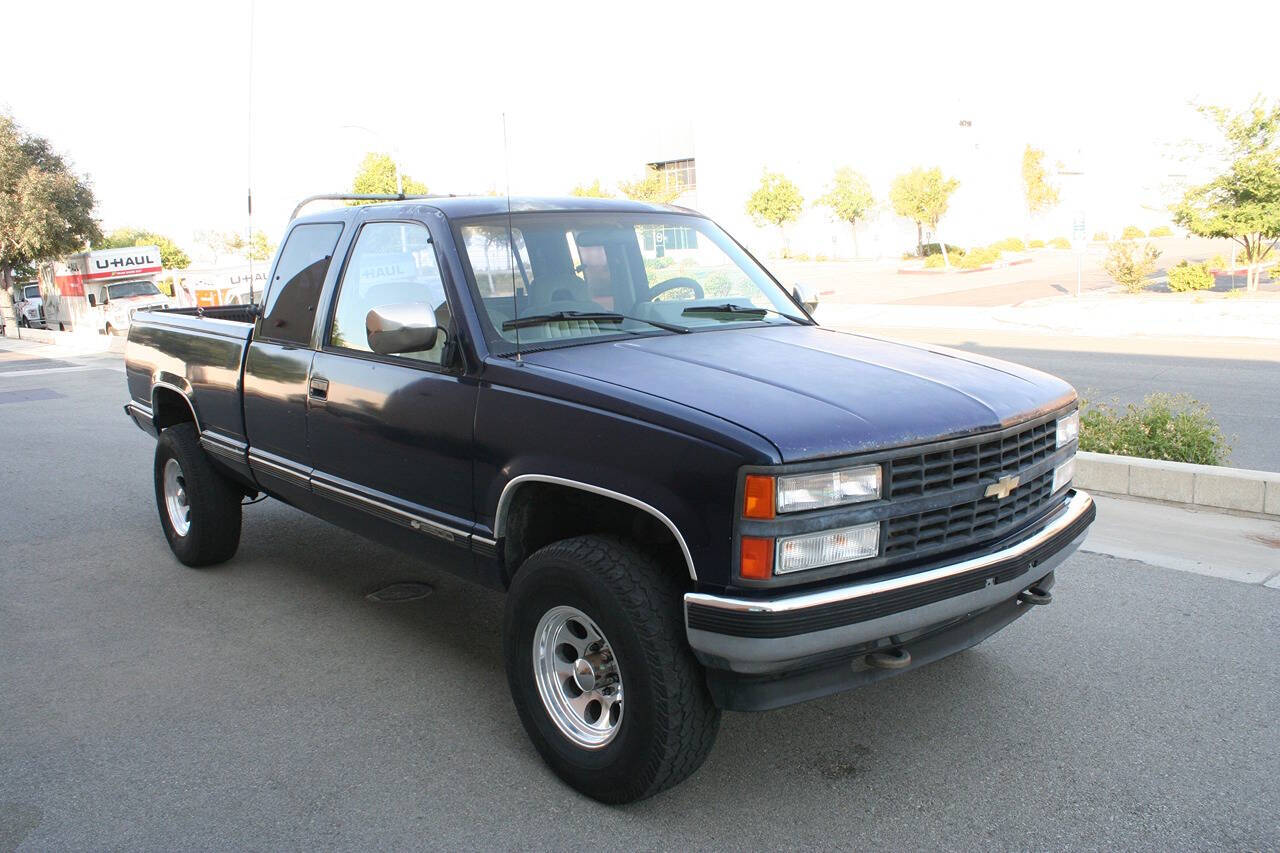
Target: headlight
[
  {"x": 1063, "y": 473},
  {"x": 828, "y": 488},
  {"x": 797, "y": 553},
  {"x": 1068, "y": 428}
]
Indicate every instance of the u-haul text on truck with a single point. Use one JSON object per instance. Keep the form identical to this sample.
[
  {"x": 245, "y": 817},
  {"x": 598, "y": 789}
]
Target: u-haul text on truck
[{"x": 101, "y": 290}]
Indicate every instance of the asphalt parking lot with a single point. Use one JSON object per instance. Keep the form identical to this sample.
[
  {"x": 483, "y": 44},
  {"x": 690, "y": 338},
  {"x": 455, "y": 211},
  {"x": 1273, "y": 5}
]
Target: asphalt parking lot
[{"x": 269, "y": 704}]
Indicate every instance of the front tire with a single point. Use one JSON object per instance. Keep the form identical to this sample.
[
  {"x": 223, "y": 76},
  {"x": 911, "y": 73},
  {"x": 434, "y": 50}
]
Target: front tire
[
  {"x": 630, "y": 714},
  {"x": 199, "y": 507}
]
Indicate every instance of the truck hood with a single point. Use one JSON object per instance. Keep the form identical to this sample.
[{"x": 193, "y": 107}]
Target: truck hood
[{"x": 815, "y": 392}]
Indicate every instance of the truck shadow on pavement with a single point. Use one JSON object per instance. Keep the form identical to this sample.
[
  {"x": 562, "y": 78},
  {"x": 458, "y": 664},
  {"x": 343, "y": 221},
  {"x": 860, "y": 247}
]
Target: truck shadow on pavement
[{"x": 454, "y": 637}]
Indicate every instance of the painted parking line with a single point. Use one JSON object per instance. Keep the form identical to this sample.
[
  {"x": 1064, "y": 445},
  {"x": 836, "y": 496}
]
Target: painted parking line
[{"x": 46, "y": 370}]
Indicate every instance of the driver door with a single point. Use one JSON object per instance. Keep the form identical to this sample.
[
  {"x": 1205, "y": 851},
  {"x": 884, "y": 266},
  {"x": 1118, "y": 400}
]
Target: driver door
[{"x": 391, "y": 434}]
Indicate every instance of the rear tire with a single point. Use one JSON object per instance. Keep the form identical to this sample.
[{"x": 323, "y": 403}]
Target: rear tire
[
  {"x": 627, "y": 610},
  {"x": 199, "y": 507}
]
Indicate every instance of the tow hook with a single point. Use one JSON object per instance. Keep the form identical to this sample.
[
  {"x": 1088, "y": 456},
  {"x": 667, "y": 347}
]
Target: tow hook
[
  {"x": 889, "y": 659},
  {"x": 1035, "y": 595}
]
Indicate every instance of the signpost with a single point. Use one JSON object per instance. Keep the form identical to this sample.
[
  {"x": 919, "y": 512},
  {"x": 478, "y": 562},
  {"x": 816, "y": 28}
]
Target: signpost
[{"x": 1078, "y": 244}]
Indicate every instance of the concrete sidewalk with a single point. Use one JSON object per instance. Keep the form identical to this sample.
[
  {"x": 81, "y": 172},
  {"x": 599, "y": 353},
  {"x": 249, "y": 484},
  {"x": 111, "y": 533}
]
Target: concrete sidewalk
[
  {"x": 1188, "y": 539},
  {"x": 50, "y": 344}
]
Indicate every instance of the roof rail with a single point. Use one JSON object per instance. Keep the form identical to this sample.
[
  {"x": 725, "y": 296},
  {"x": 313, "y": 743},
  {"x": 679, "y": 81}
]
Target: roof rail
[{"x": 355, "y": 197}]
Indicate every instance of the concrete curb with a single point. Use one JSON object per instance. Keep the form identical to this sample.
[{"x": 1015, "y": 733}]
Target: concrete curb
[
  {"x": 1212, "y": 486},
  {"x": 983, "y": 268}
]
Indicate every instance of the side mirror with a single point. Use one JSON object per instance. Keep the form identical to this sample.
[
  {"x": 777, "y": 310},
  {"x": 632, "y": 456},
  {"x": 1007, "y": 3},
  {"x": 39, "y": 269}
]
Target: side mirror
[
  {"x": 406, "y": 327},
  {"x": 93, "y": 301},
  {"x": 805, "y": 297}
]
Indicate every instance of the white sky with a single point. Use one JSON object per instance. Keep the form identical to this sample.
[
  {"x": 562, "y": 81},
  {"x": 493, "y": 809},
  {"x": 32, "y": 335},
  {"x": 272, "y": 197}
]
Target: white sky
[{"x": 152, "y": 99}]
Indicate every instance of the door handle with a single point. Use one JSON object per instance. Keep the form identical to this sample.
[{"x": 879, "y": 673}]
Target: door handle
[{"x": 318, "y": 389}]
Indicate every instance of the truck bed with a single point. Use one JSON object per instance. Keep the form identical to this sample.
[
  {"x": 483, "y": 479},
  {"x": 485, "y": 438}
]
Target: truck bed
[
  {"x": 231, "y": 313},
  {"x": 198, "y": 352}
]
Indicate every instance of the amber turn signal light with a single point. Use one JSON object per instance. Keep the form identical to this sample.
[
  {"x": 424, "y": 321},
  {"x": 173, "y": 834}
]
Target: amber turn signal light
[
  {"x": 756, "y": 558},
  {"x": 758, "y": 497}
]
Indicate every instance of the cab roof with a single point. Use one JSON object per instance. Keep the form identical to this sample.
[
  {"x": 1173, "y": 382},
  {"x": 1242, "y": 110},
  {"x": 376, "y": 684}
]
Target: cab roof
[{"x": 463, "y": 207}]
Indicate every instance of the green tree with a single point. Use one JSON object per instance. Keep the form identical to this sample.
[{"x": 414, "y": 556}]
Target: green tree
[
  {"x": 849, "y": 198},
  {"x": 377, "y": 176},
  {"x": 1242, "y": 202},
  {"x": 171, "y": 254},
  {"x": 591, "y": 190},
  {"x": 650, "y": 187},
  {"x": 922, "y": 195},
  {"x": 776, "y": 202},
  {"x": 1041, "y": 195},
  {"x": 46, "y": 210}
]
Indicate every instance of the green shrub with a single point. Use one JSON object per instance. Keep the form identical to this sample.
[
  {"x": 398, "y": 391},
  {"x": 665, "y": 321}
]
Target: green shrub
[
  {"x": 800, "y": 256},
  {"x": 1185, "y": 277},
  {"x": 975, "y": 258},
  {"x": 1101, "y": 237},
  {"x": 821, "y": 258},
  {"x": 1160, "y": 231},
  {"x": 935, "y": 248},
  {"x": 1009, "y": 244},
  {"x": 1217, "y": 262},
  {"x": 933, "y": 262},
  {"x": 1132, "y": 232},
  {"x": 1064, "y": 243},
  {"x": 1036, "y": 244},
  {"x": 1166, "y": 426},
  {"x": 1128, "y": 267}
]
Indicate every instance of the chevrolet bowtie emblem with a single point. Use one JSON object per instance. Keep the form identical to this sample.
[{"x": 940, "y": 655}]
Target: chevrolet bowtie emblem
[{"x": 1002, "y": 488}]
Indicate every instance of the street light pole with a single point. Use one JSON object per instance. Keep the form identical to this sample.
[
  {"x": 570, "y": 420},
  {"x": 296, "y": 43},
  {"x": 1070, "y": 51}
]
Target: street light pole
[{"x": 395, "y": 153}]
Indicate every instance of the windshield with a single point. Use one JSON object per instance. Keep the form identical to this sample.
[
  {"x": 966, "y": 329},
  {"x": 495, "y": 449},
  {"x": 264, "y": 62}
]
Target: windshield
[
  {"x": 679, "y": 271},
  {"x": 131, "y": 288},
  {"x": 32, "y": 291}
]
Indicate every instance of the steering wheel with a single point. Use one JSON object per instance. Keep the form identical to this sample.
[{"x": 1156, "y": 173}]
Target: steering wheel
[{"x": 675, "y": 284}]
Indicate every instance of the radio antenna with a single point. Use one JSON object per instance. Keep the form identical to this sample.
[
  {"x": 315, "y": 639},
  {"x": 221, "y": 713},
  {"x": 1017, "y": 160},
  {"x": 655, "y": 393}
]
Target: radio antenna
[
  {"x": 249, "y": 156},
  {"x": 513, "y": 255}
]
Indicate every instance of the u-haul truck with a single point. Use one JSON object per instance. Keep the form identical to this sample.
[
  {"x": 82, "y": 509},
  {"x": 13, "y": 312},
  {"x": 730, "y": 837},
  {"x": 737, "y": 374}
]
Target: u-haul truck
[
  {"x": 230, "y": 285},
  {"x": 101, "y": 290}
]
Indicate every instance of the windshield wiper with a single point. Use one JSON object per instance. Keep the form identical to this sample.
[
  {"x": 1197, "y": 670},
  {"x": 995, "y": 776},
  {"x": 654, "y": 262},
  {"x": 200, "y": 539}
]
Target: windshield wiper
[
  {"x": 592, "y": 316},
  {"x": 747, "y": 312}
]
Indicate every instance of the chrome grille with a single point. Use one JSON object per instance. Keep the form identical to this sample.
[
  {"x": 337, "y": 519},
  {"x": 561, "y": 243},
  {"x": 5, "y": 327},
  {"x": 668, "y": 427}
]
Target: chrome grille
[
  {"x": 931, "y": 473},
  {"x": 964, "y": 523}
]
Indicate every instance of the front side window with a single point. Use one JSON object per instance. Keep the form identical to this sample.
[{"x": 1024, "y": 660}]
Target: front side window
[
  {"x": 534, "y": 273},
  {"x": 132, "y": 288},
  {"x": 393, "y": 263},
  {"x": 32, "y": 292},
  {"x": 290, "y": 310}
]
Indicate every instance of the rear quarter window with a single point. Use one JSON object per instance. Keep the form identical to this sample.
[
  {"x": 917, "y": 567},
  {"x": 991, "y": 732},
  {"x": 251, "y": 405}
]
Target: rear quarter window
[{"x": 290, "y": 310}]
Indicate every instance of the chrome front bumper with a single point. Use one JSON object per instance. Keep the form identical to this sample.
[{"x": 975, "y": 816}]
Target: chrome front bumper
[{"x": 756, "y": 636}]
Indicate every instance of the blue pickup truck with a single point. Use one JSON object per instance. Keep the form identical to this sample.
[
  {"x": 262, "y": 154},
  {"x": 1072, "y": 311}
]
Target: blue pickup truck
[{"x": 695, "y": 497}]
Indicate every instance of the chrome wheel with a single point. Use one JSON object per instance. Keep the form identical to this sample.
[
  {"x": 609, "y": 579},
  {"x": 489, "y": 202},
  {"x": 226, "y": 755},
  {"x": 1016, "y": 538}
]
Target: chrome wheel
[
  {"x": 578, "y": 677},
  {"x": 175, "y": 498}
]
